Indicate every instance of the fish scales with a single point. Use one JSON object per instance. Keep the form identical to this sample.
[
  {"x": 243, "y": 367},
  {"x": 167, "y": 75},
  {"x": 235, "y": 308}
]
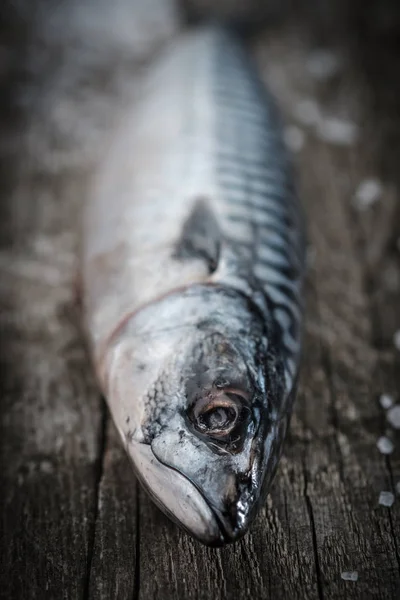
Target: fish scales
[
  {"x": 247, "y": 104},
  {"x": 193, "y": 259}
]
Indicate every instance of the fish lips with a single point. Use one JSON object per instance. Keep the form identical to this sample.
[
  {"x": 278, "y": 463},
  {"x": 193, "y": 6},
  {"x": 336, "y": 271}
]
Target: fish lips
[{"x": 176, "y": 496}]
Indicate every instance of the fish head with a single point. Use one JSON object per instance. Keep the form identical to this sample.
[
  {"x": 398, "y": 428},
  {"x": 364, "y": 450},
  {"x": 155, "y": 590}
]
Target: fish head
[{"x": 196, "y": 390}]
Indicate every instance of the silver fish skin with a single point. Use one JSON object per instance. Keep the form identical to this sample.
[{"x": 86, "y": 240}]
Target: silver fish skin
[{"x": 193, "y": 261}]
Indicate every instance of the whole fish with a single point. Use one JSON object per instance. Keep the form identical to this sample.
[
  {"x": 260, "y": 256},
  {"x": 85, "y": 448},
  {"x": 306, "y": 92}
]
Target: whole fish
[{"x": 193, "y": 259}]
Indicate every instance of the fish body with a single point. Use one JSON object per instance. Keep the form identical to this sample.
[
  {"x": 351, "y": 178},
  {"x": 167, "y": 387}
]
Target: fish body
[{"x": 193, "y": 260}]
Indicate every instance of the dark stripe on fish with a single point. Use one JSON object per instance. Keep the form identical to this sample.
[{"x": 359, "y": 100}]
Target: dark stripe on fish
[{"x": 201, "y": 236}]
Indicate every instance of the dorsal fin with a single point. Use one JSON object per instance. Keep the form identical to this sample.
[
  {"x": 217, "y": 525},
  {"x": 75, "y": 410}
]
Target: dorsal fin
[{"x": 201, "y": 236}]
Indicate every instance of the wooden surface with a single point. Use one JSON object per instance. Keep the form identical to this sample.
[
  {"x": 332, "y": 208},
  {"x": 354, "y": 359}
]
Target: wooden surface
[{"x": 74, "y": 523}]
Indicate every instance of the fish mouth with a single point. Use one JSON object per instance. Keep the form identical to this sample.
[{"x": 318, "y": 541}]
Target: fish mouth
[
  {"x": 225, "y": 530},
  {"x": 177, "y": 496},
  {"x": 232, "y": 522}
]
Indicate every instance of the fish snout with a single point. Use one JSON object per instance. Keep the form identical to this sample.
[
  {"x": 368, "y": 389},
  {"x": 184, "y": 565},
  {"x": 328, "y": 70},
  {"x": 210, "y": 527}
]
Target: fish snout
[{"x": 236, "y": 515}]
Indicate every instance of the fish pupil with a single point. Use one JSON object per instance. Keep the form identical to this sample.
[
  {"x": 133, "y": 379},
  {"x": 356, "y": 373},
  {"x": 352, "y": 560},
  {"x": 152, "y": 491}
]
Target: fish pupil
[{"x": 218, "y": 418}]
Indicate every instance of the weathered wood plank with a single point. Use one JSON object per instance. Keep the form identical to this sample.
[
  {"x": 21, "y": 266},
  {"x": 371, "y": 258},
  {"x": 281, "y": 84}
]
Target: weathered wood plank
[
  {"x": 379, "y": 229},
  {"x": 114, "y": 568},
  {"x": 50, "y": 422},
  {"x": 352, "y": 532},
  {"x": 63, "y": 74}
]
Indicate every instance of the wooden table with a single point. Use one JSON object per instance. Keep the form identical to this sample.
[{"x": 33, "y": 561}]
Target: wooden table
[{"x": 75, "y": 523}]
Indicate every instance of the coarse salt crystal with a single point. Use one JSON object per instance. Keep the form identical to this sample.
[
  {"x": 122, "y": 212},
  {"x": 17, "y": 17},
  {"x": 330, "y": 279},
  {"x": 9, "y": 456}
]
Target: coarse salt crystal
[
  {"x": 307, "y": 112},
  {"x": 385, "y": 446},
  {"x": 323, "y": 64},
  {"x": 393, "y": 416},
  {"x": 386, "y": 401},
  {"x": 396, "y": 339},
  {"x": 386, "y": 499},
  {"x": 368, "y": 193},
  {"x": 349, "y": 575},
  {"x": 294, "y": 138},
  {"x": 337, "y": 131}
]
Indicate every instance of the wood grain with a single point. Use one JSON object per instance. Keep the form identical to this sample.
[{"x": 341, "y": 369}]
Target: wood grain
[{"x": 75, "y": 523}]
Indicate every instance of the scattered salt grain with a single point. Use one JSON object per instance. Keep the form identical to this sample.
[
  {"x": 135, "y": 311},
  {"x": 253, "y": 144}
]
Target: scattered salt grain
[
  {"x": 386, "y": 401},
  {"x": 323, "y": 64},
  {"x": 307, "y": 112},
  {"x": 294, "y": 138},
  {"x": 385, "y": 446},
  {"x": 386, "y": 499},
  {"x": 367, "y": 193},
  {"x": 46, "y": 466},
  {"x": 396, "y": 339},
  {"x": 349, "y": 575},
  {"x": 393, "y": 416},
  {"x": 337, "y": 131}
]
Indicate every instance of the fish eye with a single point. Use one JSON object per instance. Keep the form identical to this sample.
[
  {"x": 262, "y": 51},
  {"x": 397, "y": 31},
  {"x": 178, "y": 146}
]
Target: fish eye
[
  {"x": 218, "y": 418},
  {"x": 217, "y": 414}
]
